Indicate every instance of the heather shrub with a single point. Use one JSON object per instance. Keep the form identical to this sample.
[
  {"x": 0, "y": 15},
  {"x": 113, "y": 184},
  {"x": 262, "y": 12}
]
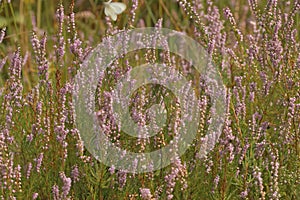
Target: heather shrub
[{"x": 255, "y": 47}]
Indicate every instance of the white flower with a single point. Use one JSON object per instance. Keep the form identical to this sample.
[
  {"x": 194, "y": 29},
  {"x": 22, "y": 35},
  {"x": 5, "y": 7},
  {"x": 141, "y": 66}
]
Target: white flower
[{"x": 112, "y": 9}]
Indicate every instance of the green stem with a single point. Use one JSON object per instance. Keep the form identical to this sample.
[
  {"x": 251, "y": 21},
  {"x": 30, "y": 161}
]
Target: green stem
[
  {"x": 13, "y": 15},
  {"x": 39, "y": 11}
]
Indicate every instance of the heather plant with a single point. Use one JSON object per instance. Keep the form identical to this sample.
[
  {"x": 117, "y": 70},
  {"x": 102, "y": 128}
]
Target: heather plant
[{"x": 253, "y": 45}]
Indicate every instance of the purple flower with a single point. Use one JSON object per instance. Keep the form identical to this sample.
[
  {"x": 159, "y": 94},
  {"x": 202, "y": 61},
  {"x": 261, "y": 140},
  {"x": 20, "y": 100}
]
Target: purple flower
[
  {"x": 55, "y": 192},
  {"x": 244, "y": 194},
  {"x": 75, "y": 174},
  {"x": 122, "y": 178},
  {"x": 39, "y": 48},
  {"x": 29, "y": 170},
  {"x": 61, "y": 42},
  {"x": 39, "y": 162},
  {"x": 145, "y": 193},
  {"x": 258, "y": 175},
  {"x": 35, "y": 196},
  {"x": 66, "y": 185}
]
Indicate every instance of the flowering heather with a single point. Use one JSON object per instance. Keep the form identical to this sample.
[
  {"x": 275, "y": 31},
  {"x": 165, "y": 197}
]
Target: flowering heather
[{"x": 44, "y": 46}]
